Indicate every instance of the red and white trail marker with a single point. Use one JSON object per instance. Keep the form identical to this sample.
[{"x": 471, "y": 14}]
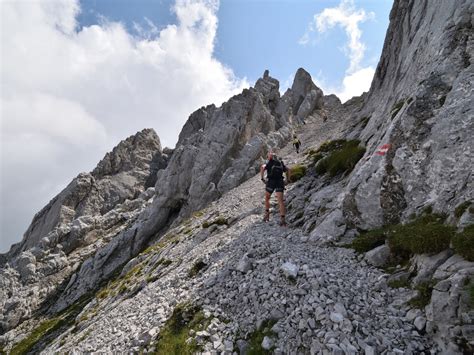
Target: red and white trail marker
[{"x": 383, "y": 149}]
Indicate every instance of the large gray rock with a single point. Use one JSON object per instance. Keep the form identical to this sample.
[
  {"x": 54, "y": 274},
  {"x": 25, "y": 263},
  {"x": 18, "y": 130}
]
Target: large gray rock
[
  {"x": 449, "y": 301},
  {"x": 425, "y": 265},
  {"x": 379, "y": 256}
]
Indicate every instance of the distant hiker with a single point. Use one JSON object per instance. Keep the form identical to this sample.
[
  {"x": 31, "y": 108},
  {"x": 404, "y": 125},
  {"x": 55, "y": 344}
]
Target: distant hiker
[
  {"x": 274, "y": 182},
  {"x": 296, "y": 144}
]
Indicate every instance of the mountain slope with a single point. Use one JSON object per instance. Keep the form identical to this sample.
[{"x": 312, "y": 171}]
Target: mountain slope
[{"x": 215, "y": 276}]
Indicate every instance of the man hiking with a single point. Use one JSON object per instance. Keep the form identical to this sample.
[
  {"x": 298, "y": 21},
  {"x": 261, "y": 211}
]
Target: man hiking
[
  {"x": 274, "y": 182},
  {"x": 296, "y": 143}
]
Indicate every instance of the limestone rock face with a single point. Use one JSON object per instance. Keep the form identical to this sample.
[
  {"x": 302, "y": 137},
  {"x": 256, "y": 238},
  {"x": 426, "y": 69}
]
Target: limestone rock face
[
  {"x": 420, "y": 106},
  {"x": 218, "y": 149},
  {"x": 302, "y": 99},
  {"x": 83, "y": 217}
]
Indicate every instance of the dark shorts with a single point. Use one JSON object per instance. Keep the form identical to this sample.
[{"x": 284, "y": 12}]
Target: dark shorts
[{"x": 275, "y": 185}]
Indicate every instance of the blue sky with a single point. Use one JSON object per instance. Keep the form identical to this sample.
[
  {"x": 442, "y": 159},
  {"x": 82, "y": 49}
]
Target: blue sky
[
  {"x": 79, "y": 76},
  {"x": 254, "y": 35}
]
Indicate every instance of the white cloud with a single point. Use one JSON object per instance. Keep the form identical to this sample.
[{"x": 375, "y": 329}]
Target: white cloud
[
  {"x": 348, "y": 17},
  {"x": 68, "y": 96}
]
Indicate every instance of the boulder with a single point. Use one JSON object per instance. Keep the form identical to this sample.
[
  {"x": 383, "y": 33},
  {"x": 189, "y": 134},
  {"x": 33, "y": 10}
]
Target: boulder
[{"x": 379, "y": 256}]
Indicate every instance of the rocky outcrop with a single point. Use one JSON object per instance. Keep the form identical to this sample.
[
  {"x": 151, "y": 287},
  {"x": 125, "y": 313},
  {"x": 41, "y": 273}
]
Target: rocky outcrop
[
  {"x": 218, "y": 149},
  {"x": 301, "y": 100},
  {"x": 421, "y": 106},
  {"x": 92, "y": 209}
]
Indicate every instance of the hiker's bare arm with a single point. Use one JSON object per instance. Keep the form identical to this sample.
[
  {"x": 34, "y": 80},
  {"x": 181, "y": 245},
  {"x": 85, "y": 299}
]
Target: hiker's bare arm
[{"x": 262, "y": 170}]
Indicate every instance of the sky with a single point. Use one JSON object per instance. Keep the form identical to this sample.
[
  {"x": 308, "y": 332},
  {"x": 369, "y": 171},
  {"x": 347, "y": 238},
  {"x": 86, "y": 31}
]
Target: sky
[{"x": 79, "y": 76}]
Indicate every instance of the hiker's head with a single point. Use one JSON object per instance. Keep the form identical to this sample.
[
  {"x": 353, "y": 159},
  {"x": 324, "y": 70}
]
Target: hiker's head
[{"x": 270, "y": 155}]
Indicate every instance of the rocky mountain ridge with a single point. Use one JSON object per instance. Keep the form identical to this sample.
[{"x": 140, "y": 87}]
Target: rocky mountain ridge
[{"x": 208, "y": 250}]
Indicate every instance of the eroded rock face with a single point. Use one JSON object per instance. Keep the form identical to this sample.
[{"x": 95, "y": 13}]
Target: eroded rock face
[
  {"x": 301, "y": 100},
  {"x": 92, "y": 209},
  {"x": 218, "y": 149},
  {"x": 416, "y": 123},
  {"x": 421, "y": 105}
]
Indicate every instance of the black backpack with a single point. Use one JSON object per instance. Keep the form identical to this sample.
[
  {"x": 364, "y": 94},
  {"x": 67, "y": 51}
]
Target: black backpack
[{"x": 276, "y": 170}]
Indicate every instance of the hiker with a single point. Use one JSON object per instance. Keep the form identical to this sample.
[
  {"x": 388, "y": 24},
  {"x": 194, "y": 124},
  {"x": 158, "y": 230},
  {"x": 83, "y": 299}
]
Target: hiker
[
  {"x": 296, "y": 143},
  {"x": 274, "y": 182}
]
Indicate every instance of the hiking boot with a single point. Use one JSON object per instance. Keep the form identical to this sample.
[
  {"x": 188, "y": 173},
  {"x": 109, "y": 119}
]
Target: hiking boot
[
  {"x": 266, "y": 216},
  {"x": 282, "y": 221}
]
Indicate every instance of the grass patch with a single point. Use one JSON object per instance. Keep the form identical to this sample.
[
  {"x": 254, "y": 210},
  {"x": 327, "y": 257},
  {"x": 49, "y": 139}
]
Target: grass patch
[
  {"x": 470, "y": 290},
  {"x": 463, "y": 243},
  {"x": 255, "y": 339},
  {"x": 45, "y": 327},
  {"x": 399, "y": 283},
  {"x": 426, "y": 234},
  {"x": 396, "y": 108},
  {"x": 220, "y": 221},
  {"x": 47, "y": 330},
  {"x": 369, "y": 240},
  {"x": 461, "y": 208},
  {"x": 297, "y": 172},
  {"x": 330, "y": 146},
  {"x": 164, "y": 262},
  {"x": 196, "y": 268},
  {"x": 425, "y": 290},
  {"x": 104, "y": 293},
  {"x": 120, "y": 285},
  {"x": 198, "y": 214},
  {"x": 342, "y": 157},
  {"x": 173, "y": 336}
]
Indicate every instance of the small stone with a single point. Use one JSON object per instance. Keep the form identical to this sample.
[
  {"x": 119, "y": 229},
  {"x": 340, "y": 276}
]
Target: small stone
[
  {"x": 369, "y": 350},
  {"x": 336, "y": 317},
  {"x": 267, "y": 343},
  {"x": 420, "y": 323},
  {"x": 290, "y": 270}
]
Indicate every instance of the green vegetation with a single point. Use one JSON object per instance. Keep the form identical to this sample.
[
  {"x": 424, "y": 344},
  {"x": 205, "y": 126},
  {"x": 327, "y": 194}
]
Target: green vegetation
[
  {"x": 470, "y": 290},
  {"x": 255, "y": 339},
  {"x": 396, "y": 108},
  {"x": 297, "y": 172},
  {"x": 198, "y": 214},
  {"x": 426, "y": 234},
  {"x": 463, "y": 243},
  {"x": 196, "y": 268},
  {"x": 461, "y": 208},
  {"x": 330, "y": 146},
  {"x": 47, "y": 329},
  {"x": 399, "y": 283},
  {"x": 173, "y": 336},
  {"x": 425, "y": 290},
  {"x": 164, "y": 262},
  {"x": 120, "y": 285},
  {"x": 341, "y": 158},
  {"x": 369, "y": 240},
  {"x": 220, "y": 221}
]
